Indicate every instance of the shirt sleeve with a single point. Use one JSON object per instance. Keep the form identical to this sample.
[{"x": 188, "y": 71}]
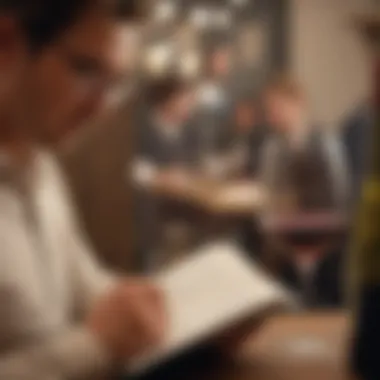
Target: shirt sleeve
[
  {"x": 76, "y": 354},
  {"x": 89, "y": 279}
]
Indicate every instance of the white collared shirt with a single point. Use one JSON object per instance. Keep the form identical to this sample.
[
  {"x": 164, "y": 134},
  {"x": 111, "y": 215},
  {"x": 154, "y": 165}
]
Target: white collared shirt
[{"x": 47, "y": 275}]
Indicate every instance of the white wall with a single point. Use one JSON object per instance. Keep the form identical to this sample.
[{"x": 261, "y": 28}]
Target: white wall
[{"x": 328, "y": 56}]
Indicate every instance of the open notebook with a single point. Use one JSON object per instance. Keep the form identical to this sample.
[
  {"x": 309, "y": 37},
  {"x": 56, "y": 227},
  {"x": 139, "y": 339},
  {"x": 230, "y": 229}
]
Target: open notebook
[{"x": 212, "y": 291}]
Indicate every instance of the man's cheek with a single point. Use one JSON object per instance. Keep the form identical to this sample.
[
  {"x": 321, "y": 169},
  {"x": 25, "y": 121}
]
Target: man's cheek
[{"x": 57, "y": 119}]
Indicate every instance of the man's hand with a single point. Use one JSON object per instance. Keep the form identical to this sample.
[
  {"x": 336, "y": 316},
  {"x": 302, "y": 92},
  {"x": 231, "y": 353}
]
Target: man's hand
[{"x": 130, "y": 319}]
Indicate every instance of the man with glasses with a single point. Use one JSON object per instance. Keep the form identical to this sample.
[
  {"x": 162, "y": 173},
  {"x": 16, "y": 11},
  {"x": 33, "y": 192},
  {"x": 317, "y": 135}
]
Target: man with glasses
[{"x": 61, "y": 315}]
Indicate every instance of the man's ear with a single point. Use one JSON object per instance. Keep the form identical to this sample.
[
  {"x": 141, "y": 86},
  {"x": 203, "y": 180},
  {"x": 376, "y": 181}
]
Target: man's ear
[
  {"x": 13, "y": 46},
  {"x": 13, "y": 55}
]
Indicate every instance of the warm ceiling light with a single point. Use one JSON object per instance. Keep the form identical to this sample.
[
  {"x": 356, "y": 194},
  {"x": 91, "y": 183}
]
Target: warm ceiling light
[
  {"x": 200, "y": 17},
  {"x": 159, "y": 58},
  {"x": 165, "y": 11},
  {"x": 190, "y": 64},
  {"x": 222, "y": 18}
]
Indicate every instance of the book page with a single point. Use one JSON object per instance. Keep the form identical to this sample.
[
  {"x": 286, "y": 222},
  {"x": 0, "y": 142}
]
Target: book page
[{"x": 214, "y": 289}]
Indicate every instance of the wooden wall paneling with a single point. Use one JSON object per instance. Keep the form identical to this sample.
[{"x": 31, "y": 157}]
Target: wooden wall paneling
[{"x": 96, "y": 168}]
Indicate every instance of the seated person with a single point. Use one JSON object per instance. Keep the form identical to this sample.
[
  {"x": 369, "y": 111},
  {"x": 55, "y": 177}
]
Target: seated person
[
  {"x": 164, "y": 136},
  {"x": 304, "y": 171},
  {"x": 241, "y": 147},
  {"x": 245, "y": 138},
  {"x": 357, "y": 132},
  {"x": 166, "y": 147},
  {"x": 215, "y": 101},
  {"x": 62, "y": 314}
]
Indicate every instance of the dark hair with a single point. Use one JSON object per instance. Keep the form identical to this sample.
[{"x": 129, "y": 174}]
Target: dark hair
[
  {"x": 44, "y": 20},
  {"x": 163, "y": 90}
]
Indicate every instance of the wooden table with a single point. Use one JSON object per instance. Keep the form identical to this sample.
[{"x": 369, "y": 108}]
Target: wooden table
[
  {"x": 280, "y": 352},
  {"x": 213, "y": 196},
  {"x": 203, "y": 209}
]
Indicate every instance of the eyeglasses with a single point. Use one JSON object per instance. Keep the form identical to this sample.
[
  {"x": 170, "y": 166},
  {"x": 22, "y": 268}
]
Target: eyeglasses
[{"x": 91, "y": 76}]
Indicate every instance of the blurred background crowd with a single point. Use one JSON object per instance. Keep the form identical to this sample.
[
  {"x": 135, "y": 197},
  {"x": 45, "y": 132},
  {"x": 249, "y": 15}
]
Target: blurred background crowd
[{"x": 247, "y": 123}]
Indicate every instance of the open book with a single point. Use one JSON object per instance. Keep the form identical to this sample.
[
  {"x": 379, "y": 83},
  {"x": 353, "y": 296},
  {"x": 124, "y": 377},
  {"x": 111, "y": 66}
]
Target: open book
[{"x": 215, "y": 289}]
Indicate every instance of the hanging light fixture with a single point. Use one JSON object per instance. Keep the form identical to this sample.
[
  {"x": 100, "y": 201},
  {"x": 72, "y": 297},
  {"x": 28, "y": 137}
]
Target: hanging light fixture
[
  {"x": 159, "y": 58},
  {"x": 190, "y": 64}
]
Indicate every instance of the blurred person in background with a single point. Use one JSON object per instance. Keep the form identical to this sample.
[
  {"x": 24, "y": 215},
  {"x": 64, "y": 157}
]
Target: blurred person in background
[
  {"x": 307, "y": 149},
  {"x": 165, "y": 137},
  {"x": 304, "y": 170},
  {"x": 62, "y": 316},
  {"x": 243, "y": 144},
  {"x": 218, "y": 68},
  {"x": 356, "y": 135},
  {"x": 166, "y": 152},
  {"x": 245, "y": 137},
  {"x": 215, "y": 99},
  {"x": 357, "y": 131}
]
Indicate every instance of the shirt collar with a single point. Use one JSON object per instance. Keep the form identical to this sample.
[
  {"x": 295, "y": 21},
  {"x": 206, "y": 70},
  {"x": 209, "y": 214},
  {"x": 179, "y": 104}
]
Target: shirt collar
[{"x": 14, "y": 175}]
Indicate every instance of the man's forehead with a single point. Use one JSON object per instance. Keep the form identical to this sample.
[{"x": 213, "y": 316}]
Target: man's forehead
[{"x": 94, "y": 28}]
